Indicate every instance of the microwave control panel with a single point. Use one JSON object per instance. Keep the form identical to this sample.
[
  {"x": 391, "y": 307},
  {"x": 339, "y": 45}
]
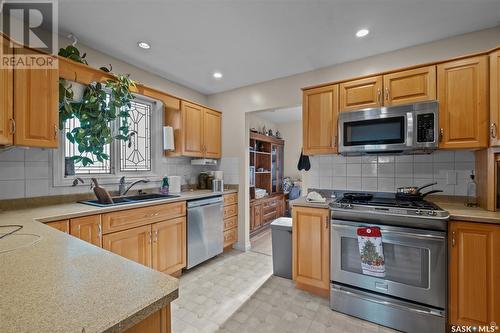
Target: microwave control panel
[{"x": 425, "y": 127}]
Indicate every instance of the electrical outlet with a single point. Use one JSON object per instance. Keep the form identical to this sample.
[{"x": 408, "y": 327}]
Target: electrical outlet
[{"x": 451, "y": 178}]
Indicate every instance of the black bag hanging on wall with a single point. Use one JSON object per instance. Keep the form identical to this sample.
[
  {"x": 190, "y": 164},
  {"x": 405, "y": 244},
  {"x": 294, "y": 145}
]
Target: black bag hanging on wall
[{"x": 304, "y": 163}]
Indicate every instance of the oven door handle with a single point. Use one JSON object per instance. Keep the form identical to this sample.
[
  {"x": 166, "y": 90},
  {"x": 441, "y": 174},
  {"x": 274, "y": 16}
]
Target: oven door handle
[{"x": 401, "y": 233}]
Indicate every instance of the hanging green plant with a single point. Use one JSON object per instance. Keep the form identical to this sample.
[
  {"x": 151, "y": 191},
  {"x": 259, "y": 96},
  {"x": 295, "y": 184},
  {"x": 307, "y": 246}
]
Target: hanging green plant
[{"x": 96, "y": 112}]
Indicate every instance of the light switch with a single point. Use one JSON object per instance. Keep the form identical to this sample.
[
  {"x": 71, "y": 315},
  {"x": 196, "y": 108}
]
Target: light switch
[{"x": 451, "y": 177}]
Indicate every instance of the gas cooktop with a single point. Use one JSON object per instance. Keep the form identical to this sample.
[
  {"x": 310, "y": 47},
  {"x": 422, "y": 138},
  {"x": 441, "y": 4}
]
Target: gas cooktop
[{"x": 387, "y": 209}]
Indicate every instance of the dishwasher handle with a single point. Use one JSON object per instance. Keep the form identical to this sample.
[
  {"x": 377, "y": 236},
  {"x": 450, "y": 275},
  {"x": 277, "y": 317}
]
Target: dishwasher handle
[{"x": 204, "y": 202}]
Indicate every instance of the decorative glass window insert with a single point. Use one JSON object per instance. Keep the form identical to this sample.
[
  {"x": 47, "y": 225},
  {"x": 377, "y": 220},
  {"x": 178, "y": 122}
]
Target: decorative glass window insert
[
  {"x": 71, "y": 149},
  {"x": 135, "y": 155},
  {"x": 130, "y": 156}
]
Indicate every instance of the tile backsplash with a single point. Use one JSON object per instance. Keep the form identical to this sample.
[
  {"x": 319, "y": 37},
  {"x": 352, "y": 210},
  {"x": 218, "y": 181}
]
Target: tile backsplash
[
  {"x": 28, "y": 173},
  {"x": 449, "y": 168}
]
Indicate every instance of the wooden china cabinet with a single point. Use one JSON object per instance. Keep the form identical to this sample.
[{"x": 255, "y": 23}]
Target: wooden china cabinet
[{"x": 266, "y": 172}]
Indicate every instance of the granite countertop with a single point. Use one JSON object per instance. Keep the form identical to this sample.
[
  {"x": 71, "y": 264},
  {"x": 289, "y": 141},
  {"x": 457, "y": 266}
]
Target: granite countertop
[
  {"x": 302, "y": 202},
  {"x": 456, "y": 208},
  {"x": 53, "y": 282},
  {"x": 458, "y": 211}
]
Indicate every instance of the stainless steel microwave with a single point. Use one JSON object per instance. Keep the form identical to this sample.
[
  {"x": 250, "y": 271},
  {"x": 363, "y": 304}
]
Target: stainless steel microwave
[{"x": 400, "y": 129}]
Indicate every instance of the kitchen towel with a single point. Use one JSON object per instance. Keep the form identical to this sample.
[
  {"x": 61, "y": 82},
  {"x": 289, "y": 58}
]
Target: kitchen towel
[{"x": 371, "y": 251}]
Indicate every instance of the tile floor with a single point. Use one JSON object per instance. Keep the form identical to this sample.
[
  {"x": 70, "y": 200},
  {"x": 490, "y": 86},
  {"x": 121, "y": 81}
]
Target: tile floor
[
  {"x": 261, "y": 243},
  {"x": 237, "y": 293}
]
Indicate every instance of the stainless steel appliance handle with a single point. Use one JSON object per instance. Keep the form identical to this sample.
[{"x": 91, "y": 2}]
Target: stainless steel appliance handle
[
  {"x": 402, "y": 233},
  {"x": 204, "y": 202},
  {"x": 392, "y": 304}
]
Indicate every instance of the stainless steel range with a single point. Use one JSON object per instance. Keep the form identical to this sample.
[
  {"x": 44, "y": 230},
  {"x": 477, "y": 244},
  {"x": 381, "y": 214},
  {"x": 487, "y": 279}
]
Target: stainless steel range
[{"x": 411, "y": 297}]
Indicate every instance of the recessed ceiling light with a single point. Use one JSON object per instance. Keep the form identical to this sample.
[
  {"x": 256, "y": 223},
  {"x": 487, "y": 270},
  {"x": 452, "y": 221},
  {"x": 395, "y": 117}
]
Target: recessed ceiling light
[
  {"x": 144, "y": 45},
  {"x": 362, "y": 32},
  {"x": 217, "y": 75}
]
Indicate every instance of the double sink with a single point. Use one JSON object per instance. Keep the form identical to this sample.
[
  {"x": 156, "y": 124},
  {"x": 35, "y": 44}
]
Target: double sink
[{"x": 130, "y": 199}]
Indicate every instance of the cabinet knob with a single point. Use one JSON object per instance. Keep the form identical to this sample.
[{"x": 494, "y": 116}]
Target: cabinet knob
[
  {"x": 387, "y": 94},
  {"x": 55, "y": 131},
  {"x": 453, "y": 242},
  {"x": 379, "y": 96},
  {"x": 441, "y": 134},
  {"x": 99, "y": 230}
]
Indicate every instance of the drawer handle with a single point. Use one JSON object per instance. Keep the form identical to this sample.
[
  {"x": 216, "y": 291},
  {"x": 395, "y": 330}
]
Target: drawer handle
[{"x": 153, "y": 214}]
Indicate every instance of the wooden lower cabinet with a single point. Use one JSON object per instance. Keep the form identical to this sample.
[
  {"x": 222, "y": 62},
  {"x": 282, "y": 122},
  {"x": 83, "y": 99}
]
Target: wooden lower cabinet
[
  {"x": 62, "y": 225},
  {"x": 474, "y": 273},
  {"x": 158, "y": 322},
  {"x": 169, "y": 245},
  {"x": 133, "y": 244},
  {"x": 230, "y": 233},
  {"x": 264, "y": 211},
  {"x": 87, "y": 228},
  {"x": 311, "y": 249}
]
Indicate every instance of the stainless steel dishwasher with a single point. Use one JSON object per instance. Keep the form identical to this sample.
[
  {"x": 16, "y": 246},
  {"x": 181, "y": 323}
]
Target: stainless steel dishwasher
[{"x": 205, "y": 226}]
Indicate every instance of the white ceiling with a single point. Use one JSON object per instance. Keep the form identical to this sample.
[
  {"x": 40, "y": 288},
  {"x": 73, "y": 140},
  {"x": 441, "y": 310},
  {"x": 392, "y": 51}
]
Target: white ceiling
[
  {"x": 252, "y": 41},
  {"x": 281, "y": 116}
]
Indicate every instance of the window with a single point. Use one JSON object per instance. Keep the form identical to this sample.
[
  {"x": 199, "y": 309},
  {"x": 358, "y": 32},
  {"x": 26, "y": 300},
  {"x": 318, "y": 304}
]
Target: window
[{"x": 138, "y": 157}]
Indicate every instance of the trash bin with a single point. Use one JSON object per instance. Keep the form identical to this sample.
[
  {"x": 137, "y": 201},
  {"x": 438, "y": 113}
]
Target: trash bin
[{"x": 281, "y": 231}]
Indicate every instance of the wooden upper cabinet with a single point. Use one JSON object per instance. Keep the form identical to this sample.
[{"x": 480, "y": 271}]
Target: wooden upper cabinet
[
  {"x": 6, "y": 103},
  {"x": 474, "y": 273},
  {"x": 36, "y": 107},
  {"x": 311, "y": 248},
  {"x": 361, "y": 94},
  {"x": 414, "y": 85},
  {"x": 319, "y": 120},
  {"x": 169, "y": 245},
  {"x": 133, "y": 244},
  {"x": 87, "y": 228},
  {"x": 62, "y": 225},
  {"x": 192, "y": 128},
  {"x": 495, "y": 98},
  {"x": 462, "y": 87},
  {"x": 212, "y": 126}
]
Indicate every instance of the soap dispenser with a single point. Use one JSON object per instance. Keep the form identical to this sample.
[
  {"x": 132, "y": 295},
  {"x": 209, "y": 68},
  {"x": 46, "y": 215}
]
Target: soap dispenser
[{"x": 471, "y": 200}]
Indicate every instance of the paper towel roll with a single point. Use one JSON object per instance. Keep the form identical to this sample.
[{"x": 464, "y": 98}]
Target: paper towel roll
[
  {"x": 218, "y": 174},
  {"x": 175, "y": 184}
]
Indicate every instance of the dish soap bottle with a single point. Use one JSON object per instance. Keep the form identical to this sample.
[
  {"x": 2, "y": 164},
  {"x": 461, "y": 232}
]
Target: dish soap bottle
[
  {"x": 471, "y": 192},
  {"x": 164, "y": 186}
]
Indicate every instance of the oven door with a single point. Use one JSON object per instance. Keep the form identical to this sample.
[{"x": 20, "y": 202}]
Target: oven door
[{"x": 415, "y": 262}]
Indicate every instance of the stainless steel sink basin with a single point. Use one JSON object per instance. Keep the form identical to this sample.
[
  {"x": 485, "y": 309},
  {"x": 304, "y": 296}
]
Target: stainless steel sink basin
[{"x": 130, "y": 199}]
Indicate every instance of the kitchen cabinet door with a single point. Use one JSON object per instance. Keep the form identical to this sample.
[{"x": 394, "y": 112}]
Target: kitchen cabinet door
[
  {"x": 87, "y": 228},
  {"x": 192, "y": 128},
  {"x": 463, "y": 105},
  {"x": 62, "y": 225},
  {"x": 6, "y": 103},
  {"x": 411, "y": 86},
  {"x": 319, "y": 125},
  {"x": 474, "y": 273},
  {"x": 158, "y": 322},
  {"x": 311, "y": 249},
  {"x": 169, "y": 245},
  {"x": 36, "y": 107},
  {"x": 361, "y": 94},
  {"x": 212, "y": 133},
  {"x": 494, "y": 98},
  {"x": 133, "y": 244}
]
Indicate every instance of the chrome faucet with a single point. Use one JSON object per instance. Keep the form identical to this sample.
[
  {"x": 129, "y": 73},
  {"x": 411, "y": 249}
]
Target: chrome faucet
[{"x": 123, "y": 188}]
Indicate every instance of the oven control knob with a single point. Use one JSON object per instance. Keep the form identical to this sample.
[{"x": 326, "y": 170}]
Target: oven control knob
[
  {"x": 431, "y": 213},
  {"x": 418, "y": 212},
  {"x": 347, "y": 206}
]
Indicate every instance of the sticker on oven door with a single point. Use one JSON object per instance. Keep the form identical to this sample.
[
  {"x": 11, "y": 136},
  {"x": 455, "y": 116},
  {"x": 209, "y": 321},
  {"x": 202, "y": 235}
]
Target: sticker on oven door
[{"x": 371, "y": 251}]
